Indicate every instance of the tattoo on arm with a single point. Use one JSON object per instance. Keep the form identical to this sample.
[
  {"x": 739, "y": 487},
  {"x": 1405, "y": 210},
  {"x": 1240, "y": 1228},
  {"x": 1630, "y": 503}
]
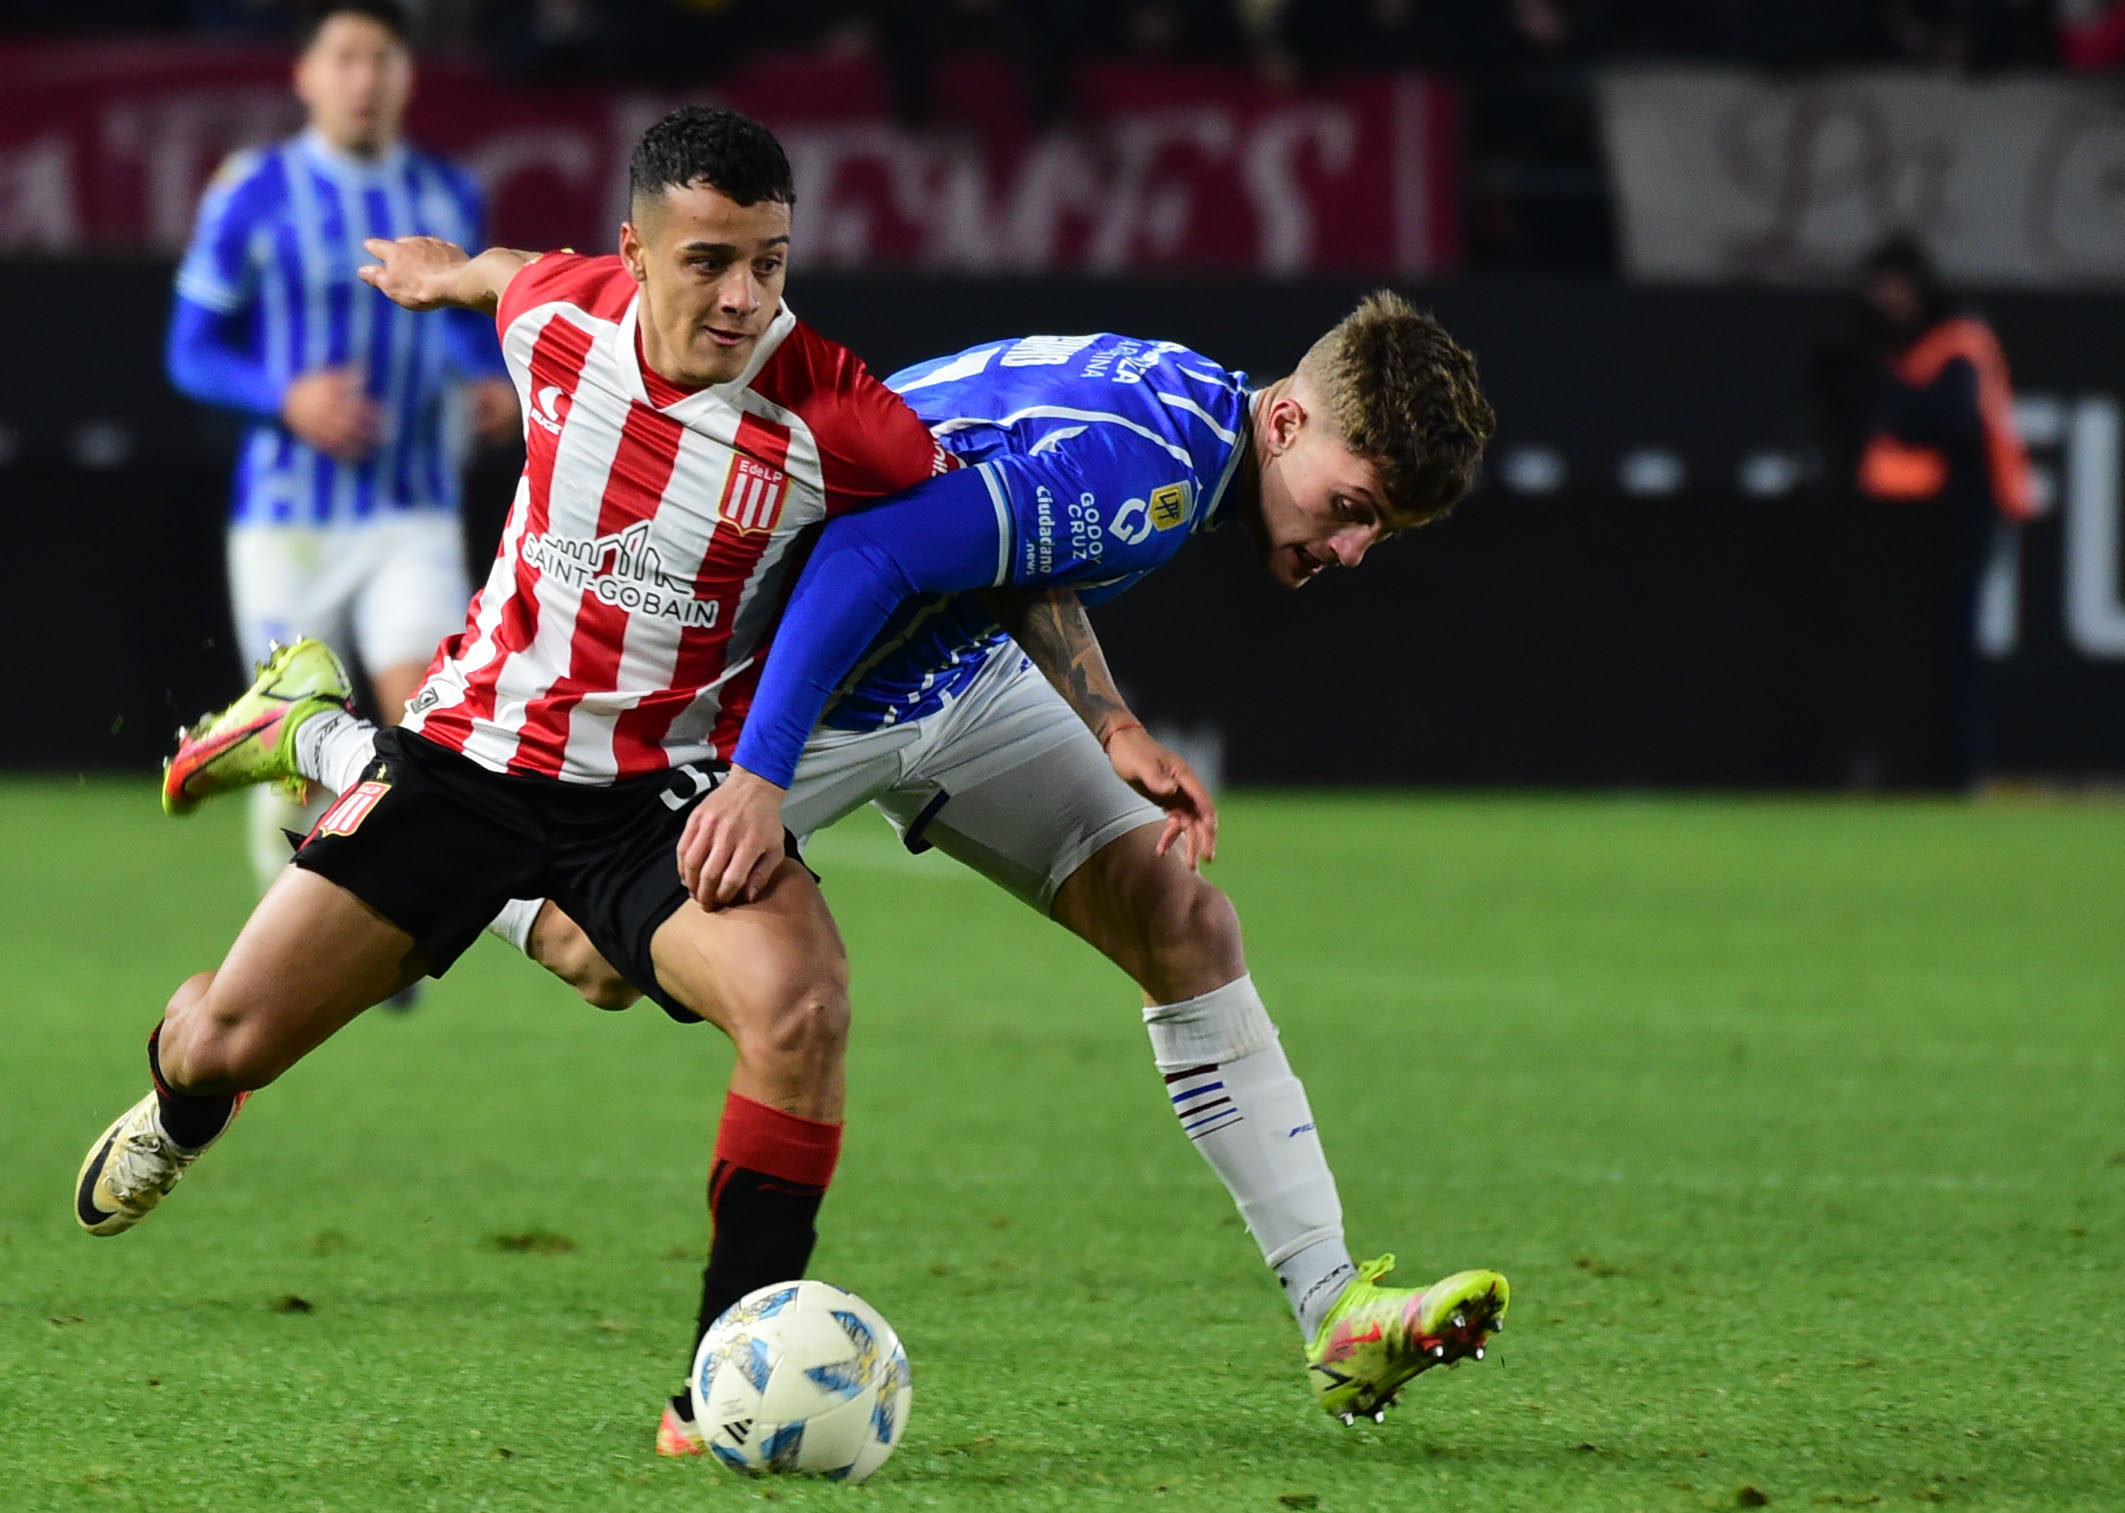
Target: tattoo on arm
[{"x": 1051, "y": 628}]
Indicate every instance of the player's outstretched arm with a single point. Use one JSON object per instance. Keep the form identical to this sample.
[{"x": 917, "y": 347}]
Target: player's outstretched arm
[
  {"x": 428, "y": 273},
  {"x": 941, "y": 537},
  {"x": 1052, "y": 629}
]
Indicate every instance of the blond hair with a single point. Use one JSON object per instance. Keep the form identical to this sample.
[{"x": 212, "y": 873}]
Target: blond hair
[{"x": 1403, "y": 396}]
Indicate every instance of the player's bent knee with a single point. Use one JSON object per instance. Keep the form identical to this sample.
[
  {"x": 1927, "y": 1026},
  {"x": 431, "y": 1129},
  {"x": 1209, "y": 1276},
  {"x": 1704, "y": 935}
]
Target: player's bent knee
[
  {"x": 814, "y": 1025},
  {"x": 1193, "y": 933},
  {"x": 772, "y": 975},
  {"x": 1207, "y": 918},
  {"x": 804, "y": 1033}
]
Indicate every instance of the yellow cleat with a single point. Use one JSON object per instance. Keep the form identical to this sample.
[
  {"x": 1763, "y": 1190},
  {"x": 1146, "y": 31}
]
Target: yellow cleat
[
  {"x": 1376, "y": 1338},
  {"x": 253, "y": 740},
  {"x": 132, "y": 1167}
]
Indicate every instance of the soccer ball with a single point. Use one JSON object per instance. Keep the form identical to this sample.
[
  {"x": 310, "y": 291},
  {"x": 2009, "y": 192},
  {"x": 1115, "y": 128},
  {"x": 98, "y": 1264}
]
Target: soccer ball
[{"x": 801, "y": 1377}]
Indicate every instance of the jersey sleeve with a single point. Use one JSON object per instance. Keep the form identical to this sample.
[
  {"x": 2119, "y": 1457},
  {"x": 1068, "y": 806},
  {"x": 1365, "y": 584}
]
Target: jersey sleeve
[
  {"x": 551, "y": 276},
  {"x": 1105, "y": 505},
  {"x": 217, "y": 272},
  {"x": 871, "y": 444},
  {"x": 945, "y": 536},
  {"x": 206, "y": 360}
]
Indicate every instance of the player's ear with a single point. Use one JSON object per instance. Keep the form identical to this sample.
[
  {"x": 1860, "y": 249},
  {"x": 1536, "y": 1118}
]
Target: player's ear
[
  {"x": 1287, "y": 417},
  {"x": 632, "y": 254}
]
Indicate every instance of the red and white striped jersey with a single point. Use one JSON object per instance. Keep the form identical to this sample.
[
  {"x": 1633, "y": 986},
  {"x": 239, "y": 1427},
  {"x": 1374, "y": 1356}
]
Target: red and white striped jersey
[{"x": 655, "y": 534}]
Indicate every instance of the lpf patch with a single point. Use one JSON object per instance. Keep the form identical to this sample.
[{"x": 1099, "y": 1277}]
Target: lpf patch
[
  {"x": 1169, "y": 506},
  {"x": 351, "y": 808}
]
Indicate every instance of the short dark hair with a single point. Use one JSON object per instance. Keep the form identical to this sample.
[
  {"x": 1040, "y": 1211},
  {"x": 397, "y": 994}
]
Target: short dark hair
[
  {"x": 714, "y": 145},
  {"x": 392, "y": 16}
]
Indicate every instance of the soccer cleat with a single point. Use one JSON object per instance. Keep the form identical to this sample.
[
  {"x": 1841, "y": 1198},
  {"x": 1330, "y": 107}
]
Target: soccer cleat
[
  {"x": 253, "y": 740},
  {"x": 1376, "y": 1338},
  {"x": 131, "y": 1167},
  {"x": 678, "y": 1434}
]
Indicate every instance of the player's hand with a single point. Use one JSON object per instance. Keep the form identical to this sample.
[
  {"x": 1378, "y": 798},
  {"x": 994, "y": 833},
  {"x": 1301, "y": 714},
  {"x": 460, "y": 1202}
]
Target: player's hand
[
  {"x": 332, "y": 411},
  {"x": 1160, "y": 775},
  {"x": 419, "y": 272},
  {"x": 733, "y": 841},
  {"x": 494, "y": 411}
]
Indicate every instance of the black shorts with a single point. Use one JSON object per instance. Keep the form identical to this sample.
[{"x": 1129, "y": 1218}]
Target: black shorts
[{"x": 437, "y": 844}]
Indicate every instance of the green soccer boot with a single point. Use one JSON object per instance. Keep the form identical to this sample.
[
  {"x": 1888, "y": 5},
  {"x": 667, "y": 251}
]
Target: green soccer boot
[
  {"x": 1376, "y": 1338},
  {"x": 253, "y": 740}
]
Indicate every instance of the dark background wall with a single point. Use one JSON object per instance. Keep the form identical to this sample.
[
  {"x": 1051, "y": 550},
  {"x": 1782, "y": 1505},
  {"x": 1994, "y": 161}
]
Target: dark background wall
[{"x": 1643, "y": 590}]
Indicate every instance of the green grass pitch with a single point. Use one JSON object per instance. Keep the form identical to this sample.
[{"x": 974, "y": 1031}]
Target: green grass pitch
[{"x": 1799, "y": 1128}]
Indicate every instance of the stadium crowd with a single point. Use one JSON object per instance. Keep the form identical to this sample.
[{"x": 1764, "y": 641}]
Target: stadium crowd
[
  {"x": 601, "y": 38},
  {"x": 1536, "y": 192}
]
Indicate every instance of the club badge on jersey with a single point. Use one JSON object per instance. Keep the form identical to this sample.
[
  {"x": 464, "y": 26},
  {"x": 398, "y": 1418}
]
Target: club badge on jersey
[{"x": 752, "y": 498}]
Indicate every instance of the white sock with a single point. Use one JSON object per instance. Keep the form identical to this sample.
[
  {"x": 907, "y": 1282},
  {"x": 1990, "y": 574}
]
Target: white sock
[
  {"x": 272, "y": 814},
  {"x": 1239, "y": 1101},
  {"x": 332, "y": 748},
  {"x": 335, "y": 748},
  {"x": 514, "y": 923}
]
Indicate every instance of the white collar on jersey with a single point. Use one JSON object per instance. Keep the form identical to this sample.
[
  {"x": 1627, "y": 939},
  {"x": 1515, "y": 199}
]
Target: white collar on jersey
[
  {"x": 346, "y": 165},
  {"x": 624, "y": 353}
]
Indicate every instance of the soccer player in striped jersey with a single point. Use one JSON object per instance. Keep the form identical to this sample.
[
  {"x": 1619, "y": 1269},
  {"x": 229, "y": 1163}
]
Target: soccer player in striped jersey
[
  {"x": 344, "y": 514},
  {"x": 683, "y": 432},
  {"x": 1096, "y": 458}
]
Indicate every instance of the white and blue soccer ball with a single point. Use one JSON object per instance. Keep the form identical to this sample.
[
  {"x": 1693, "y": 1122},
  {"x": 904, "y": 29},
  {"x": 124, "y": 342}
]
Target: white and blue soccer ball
[{"x": 803, "y": 1378}]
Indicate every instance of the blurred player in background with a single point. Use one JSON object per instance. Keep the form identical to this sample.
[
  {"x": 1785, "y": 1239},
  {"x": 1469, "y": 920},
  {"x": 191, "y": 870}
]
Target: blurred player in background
[{"x": 344, "y": 516}]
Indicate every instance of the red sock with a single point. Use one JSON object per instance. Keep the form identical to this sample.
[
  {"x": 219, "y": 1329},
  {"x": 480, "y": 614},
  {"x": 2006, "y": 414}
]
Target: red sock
[
  {"x": 770, "y": 1172},
  {"x": 790, "y": 1148}
]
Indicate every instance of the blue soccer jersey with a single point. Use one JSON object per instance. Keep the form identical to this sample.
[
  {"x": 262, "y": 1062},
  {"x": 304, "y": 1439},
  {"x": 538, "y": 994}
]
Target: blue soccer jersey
[
  {"x": 1094, "y": 459},
  {"x": 1133, "y": 444},
  {"x": 267, "y": 292}
]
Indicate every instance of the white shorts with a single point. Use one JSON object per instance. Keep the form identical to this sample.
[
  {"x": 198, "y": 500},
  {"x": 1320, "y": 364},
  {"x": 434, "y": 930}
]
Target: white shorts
[
  {"x": 1005, "y": 779},
  {"x": 388, "y": 588}
]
